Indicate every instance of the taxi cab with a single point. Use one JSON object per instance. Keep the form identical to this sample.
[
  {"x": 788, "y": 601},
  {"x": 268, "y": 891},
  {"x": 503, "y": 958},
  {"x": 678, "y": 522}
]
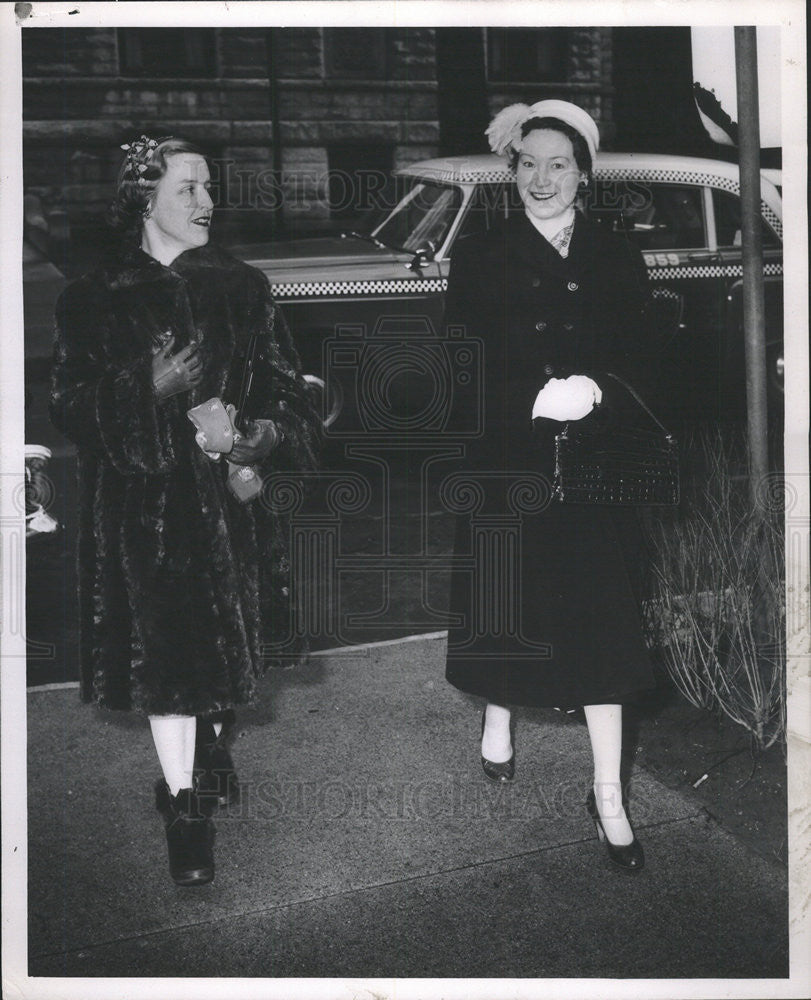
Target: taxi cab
[{"x": 385, "y": 282}]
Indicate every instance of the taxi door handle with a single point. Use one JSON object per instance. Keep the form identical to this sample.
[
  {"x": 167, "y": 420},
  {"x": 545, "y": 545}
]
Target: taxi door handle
[{"x": 704, "y": 255}]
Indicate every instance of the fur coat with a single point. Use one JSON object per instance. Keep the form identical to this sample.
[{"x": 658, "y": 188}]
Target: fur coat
[
  {"x": 551, "y": 617},
  {"x": 176, "y": 577}
]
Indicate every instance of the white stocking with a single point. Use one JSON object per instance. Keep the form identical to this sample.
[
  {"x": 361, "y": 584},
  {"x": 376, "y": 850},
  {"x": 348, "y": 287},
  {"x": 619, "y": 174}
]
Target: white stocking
[
  {"x": 496, "y": 742},
  {"x": 174, "y": 741},
  {"x": 605, "y": 732}
]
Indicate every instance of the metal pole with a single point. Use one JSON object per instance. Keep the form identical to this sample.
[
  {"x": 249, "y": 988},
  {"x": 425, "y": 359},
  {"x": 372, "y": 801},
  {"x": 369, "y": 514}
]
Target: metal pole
[
  {"x": 754, "y": 315},
  {"x": 272, "y": 42}
]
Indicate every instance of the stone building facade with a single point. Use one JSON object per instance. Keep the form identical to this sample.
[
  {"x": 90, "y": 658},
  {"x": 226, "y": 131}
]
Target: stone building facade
[{"x": 300, "y": 121}]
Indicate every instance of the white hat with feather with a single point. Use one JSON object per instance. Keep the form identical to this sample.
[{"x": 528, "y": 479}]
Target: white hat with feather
[{"x": 504, "y": 131}]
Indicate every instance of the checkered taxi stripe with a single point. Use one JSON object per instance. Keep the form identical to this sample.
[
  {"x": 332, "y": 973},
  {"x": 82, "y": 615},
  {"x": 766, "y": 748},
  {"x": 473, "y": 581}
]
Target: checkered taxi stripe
[
  {"x": 708, "y": 271},
  {"x": 346, "y": 289},
  {"x": 340, "y": 289},
  {"x": 496, "y": 175}
]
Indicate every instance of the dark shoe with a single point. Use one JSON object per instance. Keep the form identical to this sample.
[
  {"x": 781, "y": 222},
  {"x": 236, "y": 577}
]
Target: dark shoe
[
  {"x": 216, "y": 780},
  {"x": 189, "y": 835},
  {"x": 629, "y": 857},
  {"x": 498, "y": 771}
]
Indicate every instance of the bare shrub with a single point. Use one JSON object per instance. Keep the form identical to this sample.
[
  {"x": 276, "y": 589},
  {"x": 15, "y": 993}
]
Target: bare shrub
[{"x": 718, "y": 607}]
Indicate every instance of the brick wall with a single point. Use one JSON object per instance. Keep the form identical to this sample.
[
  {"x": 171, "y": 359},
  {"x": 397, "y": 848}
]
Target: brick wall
[
  {"x": 396, "y": 114},
  {"x": 78, "y": 108}
]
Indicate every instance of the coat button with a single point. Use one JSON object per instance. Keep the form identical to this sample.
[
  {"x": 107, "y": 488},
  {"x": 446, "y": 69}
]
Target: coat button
[
  {"x": 540, "y": 326},
  {"x": 573, "y": 286},
  {"x": 568, "y": 327},
  {"x": 548, "y": 369},
  {"x": 536, "y": 282}
]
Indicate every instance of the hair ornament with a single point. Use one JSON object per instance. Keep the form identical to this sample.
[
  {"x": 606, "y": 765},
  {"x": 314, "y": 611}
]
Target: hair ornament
[
  {"x": 138, "y": 152},
  {"x": 505, "y": 129}
]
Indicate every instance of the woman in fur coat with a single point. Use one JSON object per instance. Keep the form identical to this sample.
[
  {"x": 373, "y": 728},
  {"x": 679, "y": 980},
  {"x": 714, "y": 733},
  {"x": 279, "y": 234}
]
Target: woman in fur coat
[
  {"x": 177, "y": 575},
  {"x": 557, "y": 303}
]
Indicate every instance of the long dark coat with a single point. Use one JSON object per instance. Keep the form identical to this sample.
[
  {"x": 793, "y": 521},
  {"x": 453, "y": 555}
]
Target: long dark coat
[
  {"x": 175, "y": 574},
  {"x": 545, "y": 595}
]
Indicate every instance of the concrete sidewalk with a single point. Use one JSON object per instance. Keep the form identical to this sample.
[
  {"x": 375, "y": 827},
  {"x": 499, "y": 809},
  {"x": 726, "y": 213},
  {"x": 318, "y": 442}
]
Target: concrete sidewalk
[{"x": 368, "y": 843}]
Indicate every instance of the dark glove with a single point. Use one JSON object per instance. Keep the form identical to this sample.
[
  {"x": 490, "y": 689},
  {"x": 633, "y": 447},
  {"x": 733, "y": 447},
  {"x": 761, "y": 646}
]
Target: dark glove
[
  {"x": 174, "y": 373},
  {"x": 262, "y": 437}
]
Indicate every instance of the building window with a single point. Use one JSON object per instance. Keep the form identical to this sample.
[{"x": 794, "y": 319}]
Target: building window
[
  {"x": 355, "y": 53},
  {"x": 527, "y": 55},
  {"x": 175, "y": 52},
  {"x": 358, "y": 178}
]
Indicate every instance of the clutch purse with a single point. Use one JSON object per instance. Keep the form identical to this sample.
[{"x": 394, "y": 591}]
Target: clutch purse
[
  {"x": 617, "y": 465},
  {"x": 255, "y": 388},
  {"x": 217, "y": 435}
]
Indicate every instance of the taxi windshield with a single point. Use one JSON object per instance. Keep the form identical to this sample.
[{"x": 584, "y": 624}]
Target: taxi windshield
[{"x": 422, "y": 216}]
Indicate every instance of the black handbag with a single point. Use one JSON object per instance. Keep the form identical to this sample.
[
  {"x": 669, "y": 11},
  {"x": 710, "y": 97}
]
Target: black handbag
[
  {"x": 262, "y": 381},
  {"x": 617, "y": 465}
]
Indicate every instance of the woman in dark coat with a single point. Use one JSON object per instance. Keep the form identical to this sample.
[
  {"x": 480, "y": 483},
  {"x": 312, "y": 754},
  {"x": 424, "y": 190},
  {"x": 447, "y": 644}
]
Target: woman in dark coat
[
  {"x": 557, "y": 302},
  {"x": 175, "y": 571}
]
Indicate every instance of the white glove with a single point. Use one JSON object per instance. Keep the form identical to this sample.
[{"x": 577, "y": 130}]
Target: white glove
[{"x": 569, "y": 398}]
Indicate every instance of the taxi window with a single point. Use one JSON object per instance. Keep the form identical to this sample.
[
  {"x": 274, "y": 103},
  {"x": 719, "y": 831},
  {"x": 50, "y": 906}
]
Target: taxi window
[
  {"x": 728, "y": 221},
  {"x": 655, "y": 216}
]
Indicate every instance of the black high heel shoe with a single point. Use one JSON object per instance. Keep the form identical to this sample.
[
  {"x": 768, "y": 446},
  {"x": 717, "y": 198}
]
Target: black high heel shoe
[
  {"x": 498, "y": 771},
  {"x": 629, "y": 857}
]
